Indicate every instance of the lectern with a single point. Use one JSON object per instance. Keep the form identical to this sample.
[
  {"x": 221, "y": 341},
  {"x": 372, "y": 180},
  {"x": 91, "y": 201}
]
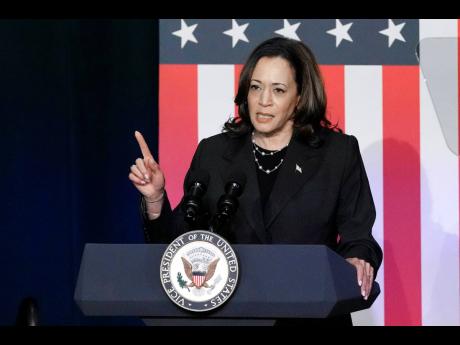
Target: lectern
[{"x": 275, "y": 281}]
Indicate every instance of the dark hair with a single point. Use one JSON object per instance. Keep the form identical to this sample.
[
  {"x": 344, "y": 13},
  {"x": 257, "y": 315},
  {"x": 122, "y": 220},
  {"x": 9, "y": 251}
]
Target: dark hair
[{"x": 310, "y": 114}]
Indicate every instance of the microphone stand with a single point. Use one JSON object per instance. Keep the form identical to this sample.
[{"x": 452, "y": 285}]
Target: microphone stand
[{"x": 220, "y": 222}]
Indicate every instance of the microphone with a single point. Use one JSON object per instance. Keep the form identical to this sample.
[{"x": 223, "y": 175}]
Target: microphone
[
  {"x": 228, "y": 203},
  {"x": 192, "y": 205}
]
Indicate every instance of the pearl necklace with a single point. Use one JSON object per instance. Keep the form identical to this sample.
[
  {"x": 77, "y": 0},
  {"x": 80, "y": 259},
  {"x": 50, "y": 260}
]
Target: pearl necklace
[{"x": 258, "y": 150}]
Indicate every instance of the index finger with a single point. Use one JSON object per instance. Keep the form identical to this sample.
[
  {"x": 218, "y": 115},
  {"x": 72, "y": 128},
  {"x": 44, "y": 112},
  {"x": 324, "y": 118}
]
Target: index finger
[{"x": 142, "y": 144}]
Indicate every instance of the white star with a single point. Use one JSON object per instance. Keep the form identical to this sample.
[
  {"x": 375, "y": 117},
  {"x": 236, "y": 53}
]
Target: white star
[
  {"x": 289, "y": 31},
  {"x": 185, "y": 33},
  {"x": 393, "y": 32},
  {"x": 237, "y": 32},
  {"x": 340, "y": 32}
]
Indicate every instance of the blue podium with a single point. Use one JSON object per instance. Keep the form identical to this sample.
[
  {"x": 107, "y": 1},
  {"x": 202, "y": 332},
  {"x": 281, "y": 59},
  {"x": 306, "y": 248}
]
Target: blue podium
[{"x": 275, "y": 281}]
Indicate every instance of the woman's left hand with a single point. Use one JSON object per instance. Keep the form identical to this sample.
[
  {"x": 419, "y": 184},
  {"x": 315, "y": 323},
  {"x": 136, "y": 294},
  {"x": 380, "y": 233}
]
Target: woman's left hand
[{"x": 365, "y": 274}]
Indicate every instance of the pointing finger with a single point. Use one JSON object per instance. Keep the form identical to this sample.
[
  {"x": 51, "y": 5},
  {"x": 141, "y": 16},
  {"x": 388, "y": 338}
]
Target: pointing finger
[{"x": 142, "y": 144}]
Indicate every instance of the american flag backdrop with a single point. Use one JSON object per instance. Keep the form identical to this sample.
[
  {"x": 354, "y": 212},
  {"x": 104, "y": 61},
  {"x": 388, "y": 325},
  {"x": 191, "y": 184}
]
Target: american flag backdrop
[{"x": 399, "y": 99}]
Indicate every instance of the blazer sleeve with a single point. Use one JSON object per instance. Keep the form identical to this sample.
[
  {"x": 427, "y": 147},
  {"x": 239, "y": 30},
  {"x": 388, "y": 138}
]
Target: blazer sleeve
[
  {"x": 356, "y": 211},
  {"x": 170, "y": 224}
]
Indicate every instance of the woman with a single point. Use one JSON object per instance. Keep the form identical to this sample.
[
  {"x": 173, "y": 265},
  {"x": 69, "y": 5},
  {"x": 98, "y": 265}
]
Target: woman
[{"x": 306, "y": 182}]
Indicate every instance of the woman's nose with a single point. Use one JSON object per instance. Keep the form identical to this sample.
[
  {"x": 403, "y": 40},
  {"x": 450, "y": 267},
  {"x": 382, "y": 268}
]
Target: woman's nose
[{"x": 265, "y": 98}]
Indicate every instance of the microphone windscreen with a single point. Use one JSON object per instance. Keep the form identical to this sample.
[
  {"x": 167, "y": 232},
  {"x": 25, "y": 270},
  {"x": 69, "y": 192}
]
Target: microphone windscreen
[
  {"x": 198, "y": 175},
  {"x": 238, "y": 177}
]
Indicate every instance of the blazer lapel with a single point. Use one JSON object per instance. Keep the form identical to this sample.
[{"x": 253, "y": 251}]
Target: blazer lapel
[
  {"x": 300, "y": 164},
  {"x": 240, "y": 158}
]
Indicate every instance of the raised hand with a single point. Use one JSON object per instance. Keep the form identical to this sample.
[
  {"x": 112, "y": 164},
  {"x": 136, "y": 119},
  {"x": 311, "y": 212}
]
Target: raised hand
[{"x": 146, "y": 174}]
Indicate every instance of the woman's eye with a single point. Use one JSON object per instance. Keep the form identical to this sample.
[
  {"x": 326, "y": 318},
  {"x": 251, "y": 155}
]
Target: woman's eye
[
  {"x": 277, "y": 90},
  {"x": 254, "y": 87}
]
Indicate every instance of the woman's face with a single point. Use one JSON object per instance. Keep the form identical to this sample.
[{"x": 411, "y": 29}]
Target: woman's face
[{"x": 272, "y": 97}]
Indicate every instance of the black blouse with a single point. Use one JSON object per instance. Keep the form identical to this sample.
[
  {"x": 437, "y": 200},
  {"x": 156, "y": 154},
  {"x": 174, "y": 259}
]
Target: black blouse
[{"x": 268, "y": 161}]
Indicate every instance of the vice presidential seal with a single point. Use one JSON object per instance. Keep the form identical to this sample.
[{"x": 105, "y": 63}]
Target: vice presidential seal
[{"x": 199, "y": 271}]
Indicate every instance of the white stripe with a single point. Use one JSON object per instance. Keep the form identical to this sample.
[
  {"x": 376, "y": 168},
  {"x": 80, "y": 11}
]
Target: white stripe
[
  {"x": 363, "y": 119},
  {"x": 215, "y": 98},
  {"x": 439, "y": 186}
]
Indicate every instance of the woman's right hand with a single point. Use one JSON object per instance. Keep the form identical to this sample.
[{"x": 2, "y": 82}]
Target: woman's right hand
[{"x": 146, "y": 174}]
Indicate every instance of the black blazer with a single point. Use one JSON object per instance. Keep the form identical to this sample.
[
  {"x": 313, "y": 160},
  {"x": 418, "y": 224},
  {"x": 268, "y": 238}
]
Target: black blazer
[{"x": 319, "y": 193}]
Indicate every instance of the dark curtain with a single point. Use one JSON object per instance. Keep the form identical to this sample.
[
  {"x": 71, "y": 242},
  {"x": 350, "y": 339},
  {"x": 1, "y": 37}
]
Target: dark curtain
[{"x": 72, "y": 94}]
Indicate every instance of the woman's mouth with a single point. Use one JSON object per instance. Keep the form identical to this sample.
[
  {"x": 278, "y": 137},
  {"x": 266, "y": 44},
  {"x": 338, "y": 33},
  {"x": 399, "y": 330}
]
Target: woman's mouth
[{"x": 264, "y": 118}]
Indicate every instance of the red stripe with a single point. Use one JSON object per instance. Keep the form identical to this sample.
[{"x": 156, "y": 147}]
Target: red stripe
[
  {"x": 238, "y": 69},
  {"x": 178, "y": 135},
  {"x": 334, "y": 83},
  {"x": 198, "y": 280},
  {"x": 334, "y": 80},
  {"x": 401, "y": 173}
]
